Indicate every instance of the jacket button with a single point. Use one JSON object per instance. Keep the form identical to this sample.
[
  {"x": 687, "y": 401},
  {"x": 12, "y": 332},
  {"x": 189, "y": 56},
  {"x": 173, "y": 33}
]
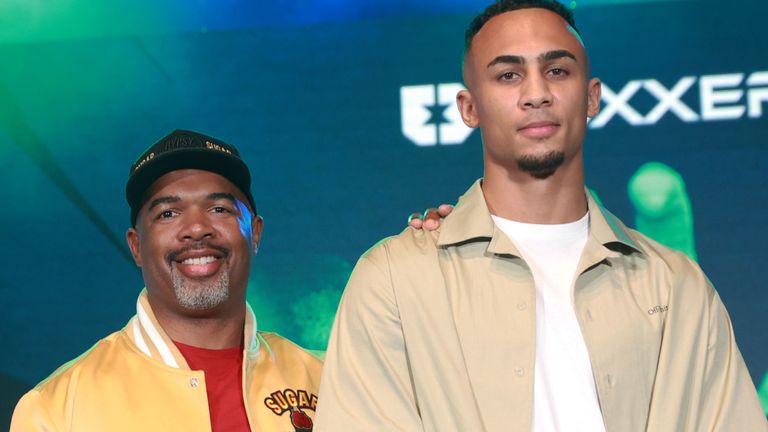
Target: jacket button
[
  {"x": 194, "y": 382},
  {"x": 520, "y": 371},
  {"x": 522, "y": 305}
]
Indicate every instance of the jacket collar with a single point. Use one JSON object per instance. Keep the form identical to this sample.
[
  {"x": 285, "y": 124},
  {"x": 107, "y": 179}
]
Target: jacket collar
[
  {"x": 150, "y": 338},
  {"x": 471, "y": 221}
]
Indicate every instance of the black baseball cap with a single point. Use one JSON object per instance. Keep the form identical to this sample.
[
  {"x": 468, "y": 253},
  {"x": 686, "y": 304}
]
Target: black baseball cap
[{"x": 183, "y": 149}]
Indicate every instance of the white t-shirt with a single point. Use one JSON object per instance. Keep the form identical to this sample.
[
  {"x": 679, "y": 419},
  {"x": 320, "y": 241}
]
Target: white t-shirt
[{"x": 564, "y": 394}]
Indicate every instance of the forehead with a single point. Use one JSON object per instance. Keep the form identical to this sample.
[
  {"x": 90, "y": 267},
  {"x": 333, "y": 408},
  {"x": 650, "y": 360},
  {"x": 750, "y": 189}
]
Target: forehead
[
  {"x": 191, "y": 183},
  {"x": 524, "y": 32}
]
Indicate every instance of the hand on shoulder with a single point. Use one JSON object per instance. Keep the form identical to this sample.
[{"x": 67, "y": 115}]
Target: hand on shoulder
[{"x": 431, "y": 218}]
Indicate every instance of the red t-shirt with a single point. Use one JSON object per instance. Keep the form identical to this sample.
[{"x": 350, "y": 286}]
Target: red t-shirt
[{"x": 223, "y": 384}]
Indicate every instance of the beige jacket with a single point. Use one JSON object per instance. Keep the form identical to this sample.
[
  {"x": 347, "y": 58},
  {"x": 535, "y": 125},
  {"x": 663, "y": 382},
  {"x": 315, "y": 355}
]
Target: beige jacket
[
  {"x": 137, "y": 380},
  {"x": 436, "y": 332}
]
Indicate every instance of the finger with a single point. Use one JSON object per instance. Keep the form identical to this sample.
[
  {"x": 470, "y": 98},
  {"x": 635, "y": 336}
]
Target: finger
[
  {"x": 416, "y": 223},
  {"x": 444, "y": 210},
  {"x": 431, "y": 219},
  {"x": 414, "y": 220},
  {"x": 431, "y": 213}
]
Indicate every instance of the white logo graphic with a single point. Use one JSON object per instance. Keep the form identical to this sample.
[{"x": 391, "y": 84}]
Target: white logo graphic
[
  {"x": 429, "y": 115},
  {"x": 719, "y": 97}
]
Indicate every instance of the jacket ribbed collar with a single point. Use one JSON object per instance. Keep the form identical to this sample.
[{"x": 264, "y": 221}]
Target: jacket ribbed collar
[{"x": 150, "y": 338}]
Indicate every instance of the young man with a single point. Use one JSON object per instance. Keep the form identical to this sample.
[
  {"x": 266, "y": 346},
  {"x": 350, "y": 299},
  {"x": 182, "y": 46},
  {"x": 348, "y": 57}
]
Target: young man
[
  {"x": 191, "y": 359},
  {"x": 532, "y": 308}
]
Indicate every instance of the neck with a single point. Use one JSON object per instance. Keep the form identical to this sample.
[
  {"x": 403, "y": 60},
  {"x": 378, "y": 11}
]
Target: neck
[
  {"x": 515, "y": 195},
  {"x": 211, "y": 331}
]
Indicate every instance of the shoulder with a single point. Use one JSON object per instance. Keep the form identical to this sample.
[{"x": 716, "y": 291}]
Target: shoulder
[
  {"x": 283, "y": 363},
  {"x": 48, "y": 398},
  {"x": 86, "y": 361},
  {"x": 286, "y": 350},
  {"x": 411, "y": 244},
  {"x": 394, "y": 260},
  {"x": 392, "y": 268},
  {"x": 676, "y": 261},
  {"x": 672, "y": 267},
  {"x": 659, "y": 257}
]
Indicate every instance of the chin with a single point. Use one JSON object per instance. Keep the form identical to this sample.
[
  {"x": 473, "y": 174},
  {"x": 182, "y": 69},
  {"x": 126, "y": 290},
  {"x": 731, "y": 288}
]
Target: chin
[
  {"x": 201, "y": 295},
  {"x": 541, "y": 165}
]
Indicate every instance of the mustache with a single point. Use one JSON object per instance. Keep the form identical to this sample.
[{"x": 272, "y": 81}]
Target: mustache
[{"x": 171, "y": 256}]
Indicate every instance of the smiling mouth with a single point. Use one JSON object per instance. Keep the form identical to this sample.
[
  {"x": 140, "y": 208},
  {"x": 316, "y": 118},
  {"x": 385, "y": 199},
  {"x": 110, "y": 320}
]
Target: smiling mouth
[
  {"x": 199, "y": 267},
  {"x": 198, "y": 261},
  {"x": 197, "y": 250}
]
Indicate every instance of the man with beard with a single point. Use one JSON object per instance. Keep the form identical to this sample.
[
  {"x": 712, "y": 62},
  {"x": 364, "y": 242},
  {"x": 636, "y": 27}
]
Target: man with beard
[
  {"x": 191, "y": 359},
  {"x": 532, "y": 307}
]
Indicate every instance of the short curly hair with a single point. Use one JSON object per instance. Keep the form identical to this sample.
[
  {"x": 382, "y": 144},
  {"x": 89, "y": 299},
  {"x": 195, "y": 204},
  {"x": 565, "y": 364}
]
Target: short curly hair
[{"x": 502, "y": 6}]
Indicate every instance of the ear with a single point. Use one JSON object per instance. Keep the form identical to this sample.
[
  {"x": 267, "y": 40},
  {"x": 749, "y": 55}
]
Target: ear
[
  {"x": 593, "y": 97},
  {"x": 257, "y": 224},
  {"x": 132, "y": 237},
  {"x": 467, "y": 108}
]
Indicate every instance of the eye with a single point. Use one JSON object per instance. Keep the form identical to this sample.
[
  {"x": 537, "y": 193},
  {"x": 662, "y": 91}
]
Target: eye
[
  {"x": 166, "y": 214},
  {"x": 557, "y": 72},
  {"x": 508, "y": 76},
  {"x": 221, "y": 209}
]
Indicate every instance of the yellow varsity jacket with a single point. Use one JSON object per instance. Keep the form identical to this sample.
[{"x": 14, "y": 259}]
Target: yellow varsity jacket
[{"x": 137, "y": 380}]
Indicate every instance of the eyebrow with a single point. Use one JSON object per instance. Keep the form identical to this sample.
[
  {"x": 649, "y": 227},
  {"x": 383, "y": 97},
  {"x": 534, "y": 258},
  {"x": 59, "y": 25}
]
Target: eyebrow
[
  {"x": 544, "y": 57},
  {"x": 507, "y": 59},
  {"x": 557, "y": 54},
  {"x": 170, "y": 199},
  {"x": 215, "y": 196},
  {"x": 163, "y": 200}
]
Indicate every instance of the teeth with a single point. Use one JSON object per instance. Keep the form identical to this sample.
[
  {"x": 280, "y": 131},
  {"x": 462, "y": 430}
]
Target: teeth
[{"x": 199, "y": 260}]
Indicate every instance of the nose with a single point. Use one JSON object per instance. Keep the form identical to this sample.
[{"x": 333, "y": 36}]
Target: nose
[
  {"x": 196, "y": 226},
  {"x": 535, "y": 93}
]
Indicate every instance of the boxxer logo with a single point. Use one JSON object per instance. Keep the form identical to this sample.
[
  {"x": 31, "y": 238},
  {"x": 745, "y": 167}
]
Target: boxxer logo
[
  {"x": 721, "y": 97},
  {"x": 429, "y": 115}
]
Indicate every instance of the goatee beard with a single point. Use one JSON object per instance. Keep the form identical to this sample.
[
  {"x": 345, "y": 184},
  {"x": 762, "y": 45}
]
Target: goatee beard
[
  {"x": 199, "y": 296},
  {"x": 541, "y": 167}
]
